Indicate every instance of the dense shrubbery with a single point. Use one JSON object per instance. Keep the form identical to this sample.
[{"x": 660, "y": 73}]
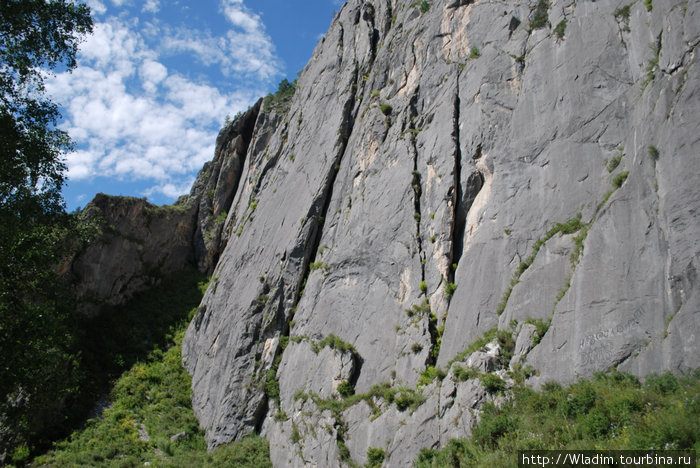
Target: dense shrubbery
[{"x": 613, "y": 411}]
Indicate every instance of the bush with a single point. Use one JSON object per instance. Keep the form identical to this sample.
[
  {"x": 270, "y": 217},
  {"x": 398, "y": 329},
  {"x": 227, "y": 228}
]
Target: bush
[
  {"x": 653, "y": 153},
  {"x": 464, "y": 373},
  {"x": 494, "y": 424},
  {"x": 492, "y": 383},
  {"x": 424, "y": 6},
  {"x": 560, "y": 29},
  {"x": 282, "y": 98},
  {"x": 450, "y": 290},
  {"x": 423, "y": 287},
  {"x": 614, "y": 162},
  {"x": 386, "y": 109},
  {"x": 620, "y": 179},
  {"x": 474, "y": 53},
  {"x": 346, "y": 389},
  {"x": 375, "y": 457},
  {"x": 541, "y": 17}
]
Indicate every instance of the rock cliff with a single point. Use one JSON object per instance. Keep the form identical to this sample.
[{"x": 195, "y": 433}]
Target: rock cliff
[{"x": 446, "y": 169}]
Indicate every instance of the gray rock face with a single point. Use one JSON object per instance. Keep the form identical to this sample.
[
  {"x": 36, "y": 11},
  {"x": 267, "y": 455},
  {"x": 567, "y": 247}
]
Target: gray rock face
[
  {"x": 140, "y": 242},
  {"x": 440, "y": 173}
]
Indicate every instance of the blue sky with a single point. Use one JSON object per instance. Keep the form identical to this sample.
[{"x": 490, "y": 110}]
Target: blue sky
[{"x": 157, "y": 78}]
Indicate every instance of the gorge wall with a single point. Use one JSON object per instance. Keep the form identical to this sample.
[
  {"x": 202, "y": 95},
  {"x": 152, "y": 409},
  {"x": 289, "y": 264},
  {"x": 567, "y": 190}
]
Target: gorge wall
[{"x": 445, "y": 168}]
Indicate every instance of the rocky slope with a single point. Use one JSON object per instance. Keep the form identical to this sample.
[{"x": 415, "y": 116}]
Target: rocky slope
[{"x": 445, "y": 168}]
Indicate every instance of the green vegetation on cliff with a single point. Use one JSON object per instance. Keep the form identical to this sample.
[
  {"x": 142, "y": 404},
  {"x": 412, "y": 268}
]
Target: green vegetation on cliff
[
  {"x": 150, "y": 417},
  {"x": 612, "y": 411}
]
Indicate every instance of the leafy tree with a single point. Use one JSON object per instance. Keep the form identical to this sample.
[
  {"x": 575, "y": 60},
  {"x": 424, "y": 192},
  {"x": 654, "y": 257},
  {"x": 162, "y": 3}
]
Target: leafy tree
[{"x": 37, "y": 369}]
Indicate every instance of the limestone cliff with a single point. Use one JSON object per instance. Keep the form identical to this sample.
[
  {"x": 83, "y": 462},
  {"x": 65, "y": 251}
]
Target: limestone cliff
[{"x": 445, "y": 168}]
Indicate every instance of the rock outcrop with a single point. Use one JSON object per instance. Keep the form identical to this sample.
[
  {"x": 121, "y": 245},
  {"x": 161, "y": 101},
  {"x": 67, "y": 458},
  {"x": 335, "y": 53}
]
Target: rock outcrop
[
  {"x": 140, "y": 243},
  {"x": 444, "y": 169}
]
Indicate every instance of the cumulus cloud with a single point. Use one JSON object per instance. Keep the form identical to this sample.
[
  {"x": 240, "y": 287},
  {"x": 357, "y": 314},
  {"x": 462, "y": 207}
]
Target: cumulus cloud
[
  {"x": 134, "y": 118},
  {"x": 151, "y": 6},
  {"x": 245, "y": 49}
]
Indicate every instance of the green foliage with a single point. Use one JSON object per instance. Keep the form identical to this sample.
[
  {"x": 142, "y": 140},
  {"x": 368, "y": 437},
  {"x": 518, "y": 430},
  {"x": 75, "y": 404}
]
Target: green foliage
[
  {"x": 620, "y": 179},
  {"x": 614, "y": 162},
  {"x": 282, "y": 98},
  {"x": 375, "y": 457},
  {"x": 318, "y": 265},
  {"x": 622, "y": 15},
  {"x": 560, "y": 29},
  {"x": 450, "y": 289},
  {"x": 424, "y": 6},
  {"x": 416, "y": 348},
  {"x": 652, "y": 64},
  {"x": 474, "y": 53},
  {"x": 40, "y": 366},
  {"x": 540, "y": 18},
  {"x": 648, "y": 4},
  {"x": 492, "y": 383},
  {"x": 654, "y": 153},
  {"x": 385, "y": 108},
  {"x": 346, "y": 389},
  {"x": 422, "y": 309},
  {"x": 333, "y": 342},
  {"x": 613, "y": 411},
  {"x": 430, "y": 374},
  {"x": 464, "y": 373},
  {"x": 153, "y": 396},
  {"x": 542, "y": 327},
  {"x": 423, "y": 287},
  {"x": 477, "y": 345},
  {"x": 573, "y": 225}
]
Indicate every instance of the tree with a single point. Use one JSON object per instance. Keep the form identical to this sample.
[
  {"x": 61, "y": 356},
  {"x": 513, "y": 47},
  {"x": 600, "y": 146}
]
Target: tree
[{"x": 37, "y": 365}]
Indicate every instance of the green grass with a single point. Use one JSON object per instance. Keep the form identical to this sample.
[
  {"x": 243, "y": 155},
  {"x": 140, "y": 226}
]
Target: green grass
[
  {"x": 153, "y": 397},
  {"x": 612, "y": 411},
  {"x": 614, "y": 162}
]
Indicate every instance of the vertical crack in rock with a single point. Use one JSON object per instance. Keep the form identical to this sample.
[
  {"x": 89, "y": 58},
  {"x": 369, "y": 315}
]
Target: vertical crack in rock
[{"x": 459, "y": 219}]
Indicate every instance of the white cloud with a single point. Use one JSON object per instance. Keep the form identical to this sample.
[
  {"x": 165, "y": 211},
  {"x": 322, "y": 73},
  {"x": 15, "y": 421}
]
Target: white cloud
[
  {"x": 151, "y": 6},
  {"x": 133, "y": 118},
  {"x": 96, "y": 7}
]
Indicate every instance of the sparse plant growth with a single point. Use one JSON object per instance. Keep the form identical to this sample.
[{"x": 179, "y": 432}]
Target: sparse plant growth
[
  {"x": 375, "y": 457},
  {"x": 622, "y": 16},
  {"x": 560, "y": 29},
  {"x": 450, "y": 289},
  {"x": 651, "y": 66},
  {"x": 540, "y": 18},
  {"x": 648, "y": 5},
  {"x": 282, "y": 98},
  {"x": 620, "y": 179},
  {"x": 613, "y": 411},
  {"x": 464, "y": 373},
  {"x": 430, "y": 374},
  {"x": 333, "y": 342},
  {"x": 424, "y": 6},
  {"x": 474, "y": 52},
  {"x": 318, "y": 265},
  {"x": 571, "y": 226},
  {"x": 295, "y": 436},
  {"x": 542, "y": 326},
  {"x": 654, "y": 153},
  {"x": 385, "y": 108},
  {"x": 614, "y": 162},
  {"x": 424, "y": 287},
  {"x": 291, "y": 157},
  {"x": 422, "y": 309},
  {"x": 416, "y": 348}
]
